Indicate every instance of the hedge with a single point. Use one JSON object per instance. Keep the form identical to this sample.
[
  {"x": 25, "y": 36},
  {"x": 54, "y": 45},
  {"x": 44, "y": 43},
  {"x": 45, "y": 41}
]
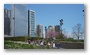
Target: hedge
[
  {"x": 34, "y": 38},
  {"x": 19, "y": 38}
]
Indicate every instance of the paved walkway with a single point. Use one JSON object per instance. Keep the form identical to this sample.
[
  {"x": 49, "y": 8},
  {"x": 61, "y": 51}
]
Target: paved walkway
[{"x": 20, "y": 42}]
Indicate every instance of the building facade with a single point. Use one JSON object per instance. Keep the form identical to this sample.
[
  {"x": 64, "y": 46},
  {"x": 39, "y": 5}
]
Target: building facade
[
  {"x": 50, "y": 29},
  {"x": 57, "y": 28},
  {"x": 19, "y": 20},
  {"x": 39, "y": 30},
  {"x": 7, "y": 22},
  {"x": 31, "y": 23}
]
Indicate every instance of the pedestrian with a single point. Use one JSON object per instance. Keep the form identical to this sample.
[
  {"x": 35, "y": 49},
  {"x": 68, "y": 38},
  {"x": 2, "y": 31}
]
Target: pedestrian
[
  {"x": 37, "y": 43},
  {"x": 58, "y": 45},
  {"x": 41, "y": 43},
  {"x": 32, "y": 42},
  {"x": 48, "y": 44},
  {"x": 53, "y": 44},
  {"x": 29, "y": 41}
]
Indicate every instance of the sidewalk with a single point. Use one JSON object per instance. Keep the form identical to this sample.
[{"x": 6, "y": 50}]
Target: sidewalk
[{"x": 21, "y": 42}]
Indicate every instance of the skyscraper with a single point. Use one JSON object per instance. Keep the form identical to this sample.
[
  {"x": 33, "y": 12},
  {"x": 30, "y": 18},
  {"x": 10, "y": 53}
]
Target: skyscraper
[
  {"x": 50, "y": 29},
  {"x": 57, "y": 28},
  {"x": 31, "y": 23},
  {"x": 19, "y": 20},
  {"x": 39, "y": 30},
  {"x": 7, "y": 21}
]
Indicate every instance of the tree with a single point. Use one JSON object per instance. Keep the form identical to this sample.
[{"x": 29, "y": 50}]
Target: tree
[
  {"x": 77, "y": 31},
  {"x": 51, "y": 34}
]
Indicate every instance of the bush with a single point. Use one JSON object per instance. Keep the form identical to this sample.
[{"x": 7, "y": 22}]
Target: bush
[
  {"x": 18, "y": 38},
  {"x": 34, "y": 38},
  {"x": 12, "y": 45},
  {"x": 68, "y": 40}
]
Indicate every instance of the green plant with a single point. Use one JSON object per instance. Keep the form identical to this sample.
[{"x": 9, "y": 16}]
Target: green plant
[
  {"x": 13, "y": 45},
  {"x": 17, "y": 38}
]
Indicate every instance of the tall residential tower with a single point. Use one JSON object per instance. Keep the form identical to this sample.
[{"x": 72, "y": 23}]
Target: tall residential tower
[
  {"x": 39, "y": 30},
  {"x": 57, "y": 28},
  {"x": 31, "y": 23}
]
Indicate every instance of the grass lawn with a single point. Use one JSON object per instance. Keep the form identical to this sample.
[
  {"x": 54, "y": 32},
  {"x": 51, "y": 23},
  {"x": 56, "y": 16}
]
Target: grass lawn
[{"x": 12, "y": 45}]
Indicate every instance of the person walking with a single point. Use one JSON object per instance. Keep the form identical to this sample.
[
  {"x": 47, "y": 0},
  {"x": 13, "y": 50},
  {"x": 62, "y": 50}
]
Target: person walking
[
  {"x": 58, "y": 45},
  {"x": 53, "y": 45},
  {"x": 48, "y": 44},
  {"x": 41, "y": 43}
]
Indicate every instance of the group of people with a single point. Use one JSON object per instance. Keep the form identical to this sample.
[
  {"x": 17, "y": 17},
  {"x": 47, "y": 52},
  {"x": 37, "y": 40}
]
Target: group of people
[{"x": 54, "y": 45}]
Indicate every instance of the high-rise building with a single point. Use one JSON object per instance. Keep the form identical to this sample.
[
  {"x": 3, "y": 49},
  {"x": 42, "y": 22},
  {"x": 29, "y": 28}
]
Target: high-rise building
[
  {"x": 19, "y": 20},
  {"x": 31, "y": 23},
  {"x": 7, "y": 21},
  {"x": 45, "y": 32},
  {"x": 50, "y": 29},
  {"x": 39, "y": 30},
  {"x": 57, "y": 28}
]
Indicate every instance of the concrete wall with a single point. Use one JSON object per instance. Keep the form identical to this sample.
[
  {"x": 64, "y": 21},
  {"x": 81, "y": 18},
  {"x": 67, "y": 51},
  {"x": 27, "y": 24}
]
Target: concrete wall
[{"x": 72, "y": 45}]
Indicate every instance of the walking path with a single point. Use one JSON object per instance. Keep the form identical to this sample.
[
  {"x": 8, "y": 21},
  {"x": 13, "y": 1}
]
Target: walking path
[{"x": 20, "y": 42}]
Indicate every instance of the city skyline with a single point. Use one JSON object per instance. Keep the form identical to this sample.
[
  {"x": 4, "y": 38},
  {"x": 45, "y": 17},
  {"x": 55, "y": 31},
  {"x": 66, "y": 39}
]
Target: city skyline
[{"x": 50, "y": 14}]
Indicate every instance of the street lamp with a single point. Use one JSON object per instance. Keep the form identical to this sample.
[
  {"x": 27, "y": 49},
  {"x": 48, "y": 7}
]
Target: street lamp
[
  {"x": 61, "y": 23},
  {"x": 45, "y": 31},
  {"x": 83, "y": 11}
]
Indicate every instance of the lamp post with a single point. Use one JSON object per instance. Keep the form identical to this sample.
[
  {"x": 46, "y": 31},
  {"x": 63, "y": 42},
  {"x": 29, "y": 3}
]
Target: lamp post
[
  {"x": 83, "y": 11},
  {"x": 61, "y": 23},
  {"x": 45, "y": 31}
]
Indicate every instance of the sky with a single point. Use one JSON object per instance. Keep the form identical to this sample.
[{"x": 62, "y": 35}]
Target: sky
[{"x": 50, "y": 14}]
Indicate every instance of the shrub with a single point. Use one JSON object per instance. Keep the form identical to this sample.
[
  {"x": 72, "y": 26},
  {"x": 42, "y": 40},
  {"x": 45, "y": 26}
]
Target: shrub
[
  {"x": 34, "y": 38},
  {"x": 18, "y": 38},
  {"x": 12, "y": 45}
]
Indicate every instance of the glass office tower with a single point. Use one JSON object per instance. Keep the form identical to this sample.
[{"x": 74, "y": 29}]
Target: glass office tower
[
  {"x": 7, "y": 17},
  {"x": 19, "y": 20},
  {"x": 31, "y": 23}
]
